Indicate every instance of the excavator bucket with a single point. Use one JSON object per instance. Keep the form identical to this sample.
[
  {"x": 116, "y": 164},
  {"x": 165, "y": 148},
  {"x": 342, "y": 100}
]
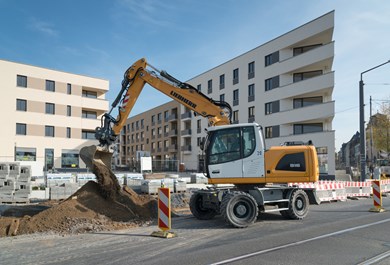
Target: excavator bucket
[{"x": 99, "y": 161}]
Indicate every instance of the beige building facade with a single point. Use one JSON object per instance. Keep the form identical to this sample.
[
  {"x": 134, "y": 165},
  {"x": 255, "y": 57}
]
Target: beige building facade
[
  {"x": 48, "y": 115},
  {"x": 285, "y": 85}
]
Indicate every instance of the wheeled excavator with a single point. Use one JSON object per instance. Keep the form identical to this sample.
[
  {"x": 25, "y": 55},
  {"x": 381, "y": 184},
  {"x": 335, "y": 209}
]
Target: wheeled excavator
[{"x": 235, "y": 154}]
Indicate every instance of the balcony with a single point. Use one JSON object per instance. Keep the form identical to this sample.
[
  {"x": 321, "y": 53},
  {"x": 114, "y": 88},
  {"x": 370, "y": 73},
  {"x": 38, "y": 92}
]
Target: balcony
[
  {"x": 186, "y": 132},
  {"x": 186, "y": 115},
  {"x": 172, "y": 148},
  {"x": 316, "y": 58},
  {"x": 319, "y": 84},
  {"x": 310, "y": 113},
  {"x": 172, "y": 133},
  {"x": 186, "y": 149},
  {"x": 172, "y": 117}
]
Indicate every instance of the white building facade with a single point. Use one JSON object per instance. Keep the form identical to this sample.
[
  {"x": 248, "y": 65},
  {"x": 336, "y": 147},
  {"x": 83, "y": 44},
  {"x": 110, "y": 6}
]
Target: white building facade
[
  {"x": 285, "y": 85},
  {"x": 48, "y": 115}
]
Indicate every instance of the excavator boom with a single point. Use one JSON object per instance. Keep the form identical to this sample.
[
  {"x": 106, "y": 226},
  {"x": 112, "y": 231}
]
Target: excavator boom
[{"x": 98, "y": 158}]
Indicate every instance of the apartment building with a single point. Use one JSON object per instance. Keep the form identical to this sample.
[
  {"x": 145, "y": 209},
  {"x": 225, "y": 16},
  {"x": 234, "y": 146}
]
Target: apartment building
[
  {"x": 155, "y": 133},
  {"x": 285, "y": 85},
  {"x": 48, "y": 115}
]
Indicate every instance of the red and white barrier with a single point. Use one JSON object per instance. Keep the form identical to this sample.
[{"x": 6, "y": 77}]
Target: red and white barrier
[
  {"x": 377, "y": 196},
  {"x": 358, "y": 189},
  {"x": 164, "y": 214},
  {"x": 341, "y": 190}
]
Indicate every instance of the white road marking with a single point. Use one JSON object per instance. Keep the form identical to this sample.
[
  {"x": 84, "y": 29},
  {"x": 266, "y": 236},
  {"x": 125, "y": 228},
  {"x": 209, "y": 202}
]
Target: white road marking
[{"x": 301, "y": 242}]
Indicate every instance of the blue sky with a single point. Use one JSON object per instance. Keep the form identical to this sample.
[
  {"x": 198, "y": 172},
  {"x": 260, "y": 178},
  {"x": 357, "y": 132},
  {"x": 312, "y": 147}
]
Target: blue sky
[{"x": 187, "y": 37}]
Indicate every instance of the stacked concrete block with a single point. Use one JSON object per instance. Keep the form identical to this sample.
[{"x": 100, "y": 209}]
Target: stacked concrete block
[
  {"x": 23, "y": 185},
  {"x": 151, "y": 186},
  {"x": 180, "y": 186},
  {"x": 83, "y": 179},
  {"x": 198, "y": 178},
  {"x": 63, "y": 192},
  {"x": 53, "y": 180},
  {"x": 15, "y": 183}
]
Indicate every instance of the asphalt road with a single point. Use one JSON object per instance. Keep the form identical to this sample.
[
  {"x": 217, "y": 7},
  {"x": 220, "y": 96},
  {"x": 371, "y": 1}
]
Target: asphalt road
[{"x": 332, "y": 233}]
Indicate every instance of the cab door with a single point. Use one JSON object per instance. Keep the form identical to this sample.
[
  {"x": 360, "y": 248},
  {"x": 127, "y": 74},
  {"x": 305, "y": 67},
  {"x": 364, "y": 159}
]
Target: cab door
[{"x": 224, "y": 154}]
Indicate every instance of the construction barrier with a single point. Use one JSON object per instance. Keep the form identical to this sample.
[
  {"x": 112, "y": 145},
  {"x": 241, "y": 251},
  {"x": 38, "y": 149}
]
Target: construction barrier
[
  {"x": 377, "y": 196},
  {"x": 164, "y": 214},
  {"x": 328, "y": 191},
  {"x": 358, "y": 189}
]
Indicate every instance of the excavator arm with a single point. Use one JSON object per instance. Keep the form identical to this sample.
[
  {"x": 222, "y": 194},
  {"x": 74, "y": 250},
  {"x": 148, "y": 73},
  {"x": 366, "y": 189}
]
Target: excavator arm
[
  {"x": 135, "y": 78},
  {"x": 98, "y": 158}
]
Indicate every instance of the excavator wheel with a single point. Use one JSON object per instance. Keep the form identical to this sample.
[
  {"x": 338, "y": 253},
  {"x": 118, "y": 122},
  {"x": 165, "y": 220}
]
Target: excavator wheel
[
  {"x": 239, "y": 209},
  {"x": 197, "y": 209},
  {"x": 298, "y": 205}
]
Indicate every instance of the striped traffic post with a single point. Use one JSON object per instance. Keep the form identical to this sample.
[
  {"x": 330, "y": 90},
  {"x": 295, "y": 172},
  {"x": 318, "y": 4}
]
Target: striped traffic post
[
  {"x": 377, "y": 196},
  {"x": 164, "y": 214}
]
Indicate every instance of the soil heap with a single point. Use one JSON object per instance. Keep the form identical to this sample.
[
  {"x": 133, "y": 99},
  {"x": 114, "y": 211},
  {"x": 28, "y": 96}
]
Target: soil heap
[{"x": 87, "y": 210}]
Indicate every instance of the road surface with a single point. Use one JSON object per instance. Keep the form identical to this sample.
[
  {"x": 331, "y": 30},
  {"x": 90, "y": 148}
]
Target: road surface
[{"x": 332, "y": 233}]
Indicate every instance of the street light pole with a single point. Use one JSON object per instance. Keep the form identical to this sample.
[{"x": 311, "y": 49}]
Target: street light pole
[{"x": 362, "y": 129}]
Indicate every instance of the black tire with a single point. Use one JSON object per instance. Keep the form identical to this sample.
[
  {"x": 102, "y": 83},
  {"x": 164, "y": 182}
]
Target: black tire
[
  {"x": 299, "y": 205},
  {"x": 239, "y": 209},
  {"x": 196, "y": 207}
]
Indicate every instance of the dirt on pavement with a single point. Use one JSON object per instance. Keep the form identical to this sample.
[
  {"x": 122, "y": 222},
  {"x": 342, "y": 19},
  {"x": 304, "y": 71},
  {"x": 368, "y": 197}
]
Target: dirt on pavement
[{"x": 87, "y": 210}]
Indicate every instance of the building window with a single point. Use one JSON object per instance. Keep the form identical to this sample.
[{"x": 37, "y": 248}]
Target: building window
[
  {"x": 21, "y": 104},
  {"x": 272, "y": 107},
  {"x": 221, "y": 81},
  {"x": 21, "y": 81},
  {"x": 70, "y": 158},
  {"x": 68, "y": 132},
  {"x": 21, "y": 129},
  {"x": 272, "y": 58},
  {"x": 50, "y": 86},
  {"x": 69, "y": 89},
  {"x": 222, "y": 97},
  {"x": 235, "y": 76},
  {"x": 308, "y": 128},
  {"x": 199, "y": 87},
  {"x": 210, "y": 86},
  {"x": 235, "y": 116},
  {"x": 251, "y": 114},
  {"x": 251, "y": 92},
  {"x": 306, "y": 75},
  {"x": 235, "y": 97},
  {"x": 49, "y": 131},
  {"x": 159, "y": 118},
  {"x": 198, "y": 126},
  {"x": 89, "y": 114},
  {"x": 304, "y": 102},
  {"x": 25, "y": 154},
  {"x": 153, "y": 119},
  {"x": 50, "y": 108},
  {"x": 303, "y": 49},
  {"x": 68, "y": 110},
  {"x": 271, "y": 83},
  {"x": 88, "y": 134},
  {"x": 272, "y": 131},
  {"x": 251, "y": 70},
  {"x": 89, "y": 94}
]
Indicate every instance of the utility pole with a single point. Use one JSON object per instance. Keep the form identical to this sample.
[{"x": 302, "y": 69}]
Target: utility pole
[{"x": 371, "y": 132}]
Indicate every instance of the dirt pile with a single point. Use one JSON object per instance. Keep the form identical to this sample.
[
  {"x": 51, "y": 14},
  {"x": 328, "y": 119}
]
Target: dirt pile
[{"x": 87, "y": 210}]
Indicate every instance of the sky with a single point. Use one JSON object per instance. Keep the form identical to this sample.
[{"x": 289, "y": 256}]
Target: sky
[{"x": 102, "y": 38}]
